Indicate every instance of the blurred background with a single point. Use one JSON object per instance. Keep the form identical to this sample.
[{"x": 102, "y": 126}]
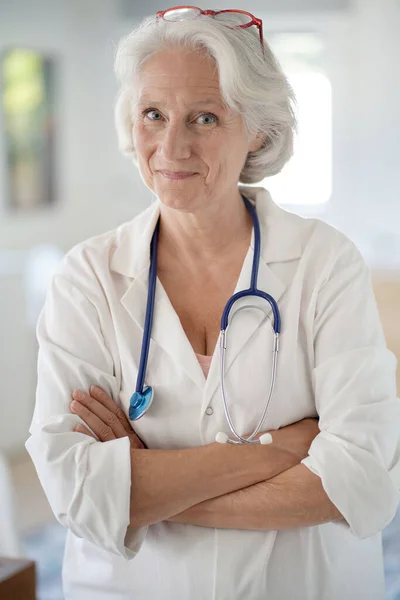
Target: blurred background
[{"x": 62, "y": 180}]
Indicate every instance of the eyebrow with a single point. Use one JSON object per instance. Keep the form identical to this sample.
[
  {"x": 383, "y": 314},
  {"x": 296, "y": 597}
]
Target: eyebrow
[{"x": 207, "y": 101}]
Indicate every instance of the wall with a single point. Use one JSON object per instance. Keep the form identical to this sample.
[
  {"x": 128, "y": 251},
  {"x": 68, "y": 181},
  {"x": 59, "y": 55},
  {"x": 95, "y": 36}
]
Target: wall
[{"x": 99, "y": 189}]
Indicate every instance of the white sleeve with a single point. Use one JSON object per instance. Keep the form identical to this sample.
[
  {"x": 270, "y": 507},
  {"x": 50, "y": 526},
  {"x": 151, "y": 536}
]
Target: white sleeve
[
  {"x": 357, "y": 453},
  {"x": 87, "y": 482}
]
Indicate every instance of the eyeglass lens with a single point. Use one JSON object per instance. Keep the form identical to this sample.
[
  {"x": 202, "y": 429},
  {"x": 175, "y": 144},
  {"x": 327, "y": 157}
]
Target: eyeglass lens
[{"x": 179, "y": 14}]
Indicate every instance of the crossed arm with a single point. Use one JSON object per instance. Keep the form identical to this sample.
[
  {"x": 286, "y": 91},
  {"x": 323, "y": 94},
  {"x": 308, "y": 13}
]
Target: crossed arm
[
  {"x": 218, "y": 485},
  {"x": 295, "y": 498},
  {"x": 245, "y": 487}
]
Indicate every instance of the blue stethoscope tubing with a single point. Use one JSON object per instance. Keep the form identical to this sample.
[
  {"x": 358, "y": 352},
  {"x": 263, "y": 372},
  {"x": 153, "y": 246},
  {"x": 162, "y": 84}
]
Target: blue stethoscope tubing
[{"x": 142, "y": 398}]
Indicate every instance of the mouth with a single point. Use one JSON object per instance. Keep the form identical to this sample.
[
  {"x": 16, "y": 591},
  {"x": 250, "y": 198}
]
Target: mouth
[{"x": 177, "y": 174}]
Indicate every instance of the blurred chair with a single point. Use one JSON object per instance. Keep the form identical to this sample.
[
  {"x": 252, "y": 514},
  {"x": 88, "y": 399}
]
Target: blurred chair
[
  {"x": 24, "y": 277},
  {"x": 10, "y": 544},
  {"x": 387, "y": 293}
]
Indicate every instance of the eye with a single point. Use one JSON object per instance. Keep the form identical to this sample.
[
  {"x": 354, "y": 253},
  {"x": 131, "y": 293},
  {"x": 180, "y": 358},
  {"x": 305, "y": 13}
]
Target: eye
[
  {"x": 211, "y": 118},
  {"x": 154, "y": 115},
  {"x": 148, "y": 111}
]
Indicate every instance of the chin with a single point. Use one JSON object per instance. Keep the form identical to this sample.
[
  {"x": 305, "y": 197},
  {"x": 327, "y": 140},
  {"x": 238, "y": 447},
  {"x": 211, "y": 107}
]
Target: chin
[{"x": 179, "y": 199}]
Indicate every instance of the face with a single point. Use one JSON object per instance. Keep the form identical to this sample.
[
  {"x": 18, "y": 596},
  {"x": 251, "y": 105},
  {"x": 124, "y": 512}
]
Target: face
[{"x": 190, "y": 146}]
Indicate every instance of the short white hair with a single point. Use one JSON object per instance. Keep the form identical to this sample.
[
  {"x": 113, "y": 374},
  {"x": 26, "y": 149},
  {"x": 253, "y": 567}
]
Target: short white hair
[{"x": 250, "y": 82}]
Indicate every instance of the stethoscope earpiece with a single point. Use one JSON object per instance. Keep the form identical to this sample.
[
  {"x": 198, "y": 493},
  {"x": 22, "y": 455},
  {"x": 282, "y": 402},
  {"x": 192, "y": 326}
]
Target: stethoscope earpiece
[
  {"x": 265, "y": 439},
  {"x": 223, "y": 438}
]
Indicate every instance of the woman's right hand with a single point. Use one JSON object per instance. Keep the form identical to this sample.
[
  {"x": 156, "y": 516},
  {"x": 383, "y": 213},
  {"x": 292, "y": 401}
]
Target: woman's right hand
[{"x": 295, "y": 438}]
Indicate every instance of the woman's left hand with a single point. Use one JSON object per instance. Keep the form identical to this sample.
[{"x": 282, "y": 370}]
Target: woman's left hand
[{"x": 107, "y": 420}]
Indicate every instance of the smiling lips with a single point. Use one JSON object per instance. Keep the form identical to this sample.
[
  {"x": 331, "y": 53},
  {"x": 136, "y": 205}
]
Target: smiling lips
[{"x": 177, "y": 174}]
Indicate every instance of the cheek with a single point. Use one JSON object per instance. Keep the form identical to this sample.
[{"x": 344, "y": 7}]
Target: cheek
[
  {"x": 144, "y": 152},
  {"x": 214, "y": 151},
  {"x": 142, "y": 140}
]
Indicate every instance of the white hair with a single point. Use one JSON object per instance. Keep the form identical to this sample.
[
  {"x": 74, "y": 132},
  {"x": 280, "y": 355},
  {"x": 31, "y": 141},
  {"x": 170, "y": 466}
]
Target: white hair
[{"x": 250, "y": 82}]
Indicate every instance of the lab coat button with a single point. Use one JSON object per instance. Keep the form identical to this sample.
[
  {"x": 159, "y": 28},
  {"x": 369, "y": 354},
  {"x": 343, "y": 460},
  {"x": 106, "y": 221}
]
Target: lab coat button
[{"x": 209, "y": 411}]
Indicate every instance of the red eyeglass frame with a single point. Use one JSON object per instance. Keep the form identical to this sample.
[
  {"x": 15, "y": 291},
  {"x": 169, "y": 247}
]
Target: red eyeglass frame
[{"x": 254, "y": 21}]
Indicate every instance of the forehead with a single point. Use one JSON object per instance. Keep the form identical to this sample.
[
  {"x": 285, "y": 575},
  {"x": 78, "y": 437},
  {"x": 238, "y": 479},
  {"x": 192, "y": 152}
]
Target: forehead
[{"x": 188, "y": 75}]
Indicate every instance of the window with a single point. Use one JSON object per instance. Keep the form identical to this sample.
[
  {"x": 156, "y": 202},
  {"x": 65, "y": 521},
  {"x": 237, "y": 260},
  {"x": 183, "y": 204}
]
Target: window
[
  {"x": 27, "y": 81},
  {"x": 307, "y": 177}
]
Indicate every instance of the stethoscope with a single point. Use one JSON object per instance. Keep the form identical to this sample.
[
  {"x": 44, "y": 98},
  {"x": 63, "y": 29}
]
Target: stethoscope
[{"x": 142, "y": 398}]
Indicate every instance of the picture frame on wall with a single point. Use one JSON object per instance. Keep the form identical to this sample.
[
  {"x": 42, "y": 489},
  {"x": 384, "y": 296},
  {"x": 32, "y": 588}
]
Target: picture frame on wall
[{"x": 28, "y": 115}]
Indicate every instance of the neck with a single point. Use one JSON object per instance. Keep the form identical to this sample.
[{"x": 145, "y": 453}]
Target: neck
[{"x": 206, "y": 235}]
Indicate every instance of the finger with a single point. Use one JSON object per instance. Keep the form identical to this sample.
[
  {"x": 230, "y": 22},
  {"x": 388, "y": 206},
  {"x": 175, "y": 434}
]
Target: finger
[
  {"x": 107, "y": 416},
  {"x": 136, "y": 442},
  {"x": 102, "y": 396},
  {"x": 101, "y": 429},
  {"x": 85, "y": 430}
]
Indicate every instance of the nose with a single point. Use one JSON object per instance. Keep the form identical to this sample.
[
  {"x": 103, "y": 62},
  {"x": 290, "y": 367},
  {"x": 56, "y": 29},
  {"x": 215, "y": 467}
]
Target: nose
[{"x": 175, "y": 143}]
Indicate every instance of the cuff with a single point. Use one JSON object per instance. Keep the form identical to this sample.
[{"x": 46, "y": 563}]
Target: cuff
[
  {"x": 105, "y": 511},
  {"x": 361, "y": 489},
  {"x": 88, "y": 486}
]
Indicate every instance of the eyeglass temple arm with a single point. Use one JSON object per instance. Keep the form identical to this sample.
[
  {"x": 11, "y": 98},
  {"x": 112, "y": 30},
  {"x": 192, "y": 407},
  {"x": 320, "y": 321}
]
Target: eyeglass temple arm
[{"x": 260, "y": 27}]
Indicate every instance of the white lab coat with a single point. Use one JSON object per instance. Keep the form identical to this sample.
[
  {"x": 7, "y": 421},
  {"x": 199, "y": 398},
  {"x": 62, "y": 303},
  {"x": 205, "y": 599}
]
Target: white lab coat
[{"x": 333, "y": 362}]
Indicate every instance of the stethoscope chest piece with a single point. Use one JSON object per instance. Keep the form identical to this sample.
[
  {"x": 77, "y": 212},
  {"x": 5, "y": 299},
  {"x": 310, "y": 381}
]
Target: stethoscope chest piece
[{"x": 140, "y": 403}]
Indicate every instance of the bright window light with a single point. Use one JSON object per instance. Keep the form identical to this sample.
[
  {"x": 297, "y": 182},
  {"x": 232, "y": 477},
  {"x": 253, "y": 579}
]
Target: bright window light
[{"x": 307, "y": 177}]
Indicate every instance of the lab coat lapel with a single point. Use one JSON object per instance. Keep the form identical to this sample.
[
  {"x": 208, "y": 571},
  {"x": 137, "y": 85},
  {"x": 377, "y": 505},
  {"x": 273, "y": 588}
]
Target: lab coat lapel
[
  {"x": 132, "y": 259},
  {"x": 167, "y": 331},
  {"x": 279, "y": 243}
]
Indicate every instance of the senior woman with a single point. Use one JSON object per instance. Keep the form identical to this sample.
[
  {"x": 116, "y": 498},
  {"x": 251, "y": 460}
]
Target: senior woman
[{"x": 154, "y": 506}]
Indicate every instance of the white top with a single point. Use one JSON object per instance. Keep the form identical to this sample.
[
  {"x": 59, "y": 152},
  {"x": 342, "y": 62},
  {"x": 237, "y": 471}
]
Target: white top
[
  {"x": 204, "y": 362},
  {"x": 333, "y": 362}
]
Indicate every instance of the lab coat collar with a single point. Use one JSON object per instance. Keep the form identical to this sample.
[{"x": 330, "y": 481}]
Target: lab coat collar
[{"x": 279, "y": 242}]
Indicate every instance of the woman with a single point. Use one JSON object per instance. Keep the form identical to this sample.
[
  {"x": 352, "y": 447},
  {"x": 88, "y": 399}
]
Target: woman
[{"x": 155, "y": 508}]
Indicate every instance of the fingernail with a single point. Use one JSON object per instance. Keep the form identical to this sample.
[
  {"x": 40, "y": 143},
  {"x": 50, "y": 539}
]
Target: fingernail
[
  {"x": 74, "y": 405},
  {"x": 77, "y": 394}
]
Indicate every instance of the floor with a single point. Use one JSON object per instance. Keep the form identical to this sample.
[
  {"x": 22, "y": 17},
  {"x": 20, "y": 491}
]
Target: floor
[{"x": 43, "y": 538}]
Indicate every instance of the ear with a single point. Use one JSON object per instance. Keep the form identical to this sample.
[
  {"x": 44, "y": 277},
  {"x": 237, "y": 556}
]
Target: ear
[{"x": 257, "y": 142}]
